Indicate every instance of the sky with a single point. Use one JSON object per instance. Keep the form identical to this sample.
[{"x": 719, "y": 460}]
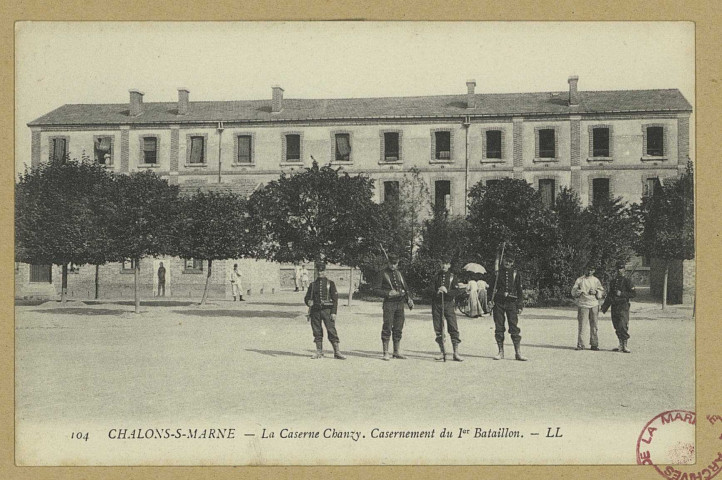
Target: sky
[{"x": 61, "y": 63}]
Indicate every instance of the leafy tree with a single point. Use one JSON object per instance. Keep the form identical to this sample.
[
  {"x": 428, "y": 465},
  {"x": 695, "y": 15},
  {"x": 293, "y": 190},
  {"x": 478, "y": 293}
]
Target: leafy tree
[
  {"x": 511, "y": 210},
  {"x": 403, "y": 218},
  {"x": 212, "y": 226},
  {"x": 569, "y": 253},
  {"x": 60, "y": 215},
  {"x": 667, "y": 218},
  {"x": 320, "y": 212},
  {"x": 443, "y": 234},
  {"x": 146, "y": 208},
  {"x": 612, "y": 227}
]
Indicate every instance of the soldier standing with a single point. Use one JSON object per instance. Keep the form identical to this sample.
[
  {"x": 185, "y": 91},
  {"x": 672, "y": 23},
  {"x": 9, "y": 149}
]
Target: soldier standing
[
  {"x": 395, "y": 294},
  {"x": 446, "y": 288},
  {"x": 322, "y": 298},
  {"x": 621, "y": 290},
  {"x": 508, "y": 303},
  {"x": 161, "y": 280}
]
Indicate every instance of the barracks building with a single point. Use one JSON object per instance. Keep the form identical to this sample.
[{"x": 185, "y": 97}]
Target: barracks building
[{"x": 599, "y": 143}]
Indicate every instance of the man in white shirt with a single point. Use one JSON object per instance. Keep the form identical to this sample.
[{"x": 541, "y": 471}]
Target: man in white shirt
[
  {"x": 587, "y": 291},
  {"x": 236, "y": 286}
]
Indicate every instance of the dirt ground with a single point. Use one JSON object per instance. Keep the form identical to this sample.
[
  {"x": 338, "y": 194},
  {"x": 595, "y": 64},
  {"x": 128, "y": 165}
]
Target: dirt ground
[{"x": 251, "y": 360}]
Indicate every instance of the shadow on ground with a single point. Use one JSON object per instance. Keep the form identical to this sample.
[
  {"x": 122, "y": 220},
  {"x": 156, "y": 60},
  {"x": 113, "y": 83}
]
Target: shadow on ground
[
  {"x": 553, "y": 347},
  {"x": 378, "y": 354},
  {"x": 450, "y": 352},
  {"x": 277, "y": 353},
  {"x": 238, "y": 313},
  {"x": 81, "y": 311},
  {"x": 147, "y": 303}
]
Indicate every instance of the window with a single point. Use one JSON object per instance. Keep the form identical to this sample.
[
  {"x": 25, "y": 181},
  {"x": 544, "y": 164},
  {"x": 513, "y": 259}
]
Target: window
[
  {"x": 150, "y": 150},
  {"x": 391, "y": 191},
  {"x": 600, "y": 142},
  {"x": 547, "y": 191},
  {"x": 58, "y": 149},
  {"x": 41, "y": 273},
  {"x": 442, "y": 195},
  {"x": 197, "y": 150},
  {"x": 600, "y": 190},
  {"x": 493, "y": 144},
  {"x": 192, "y": 265},
  {"x": 128, "y": 265},
  {"x": 443, "y": 145},
  {"x": 293, "y": 148},
  {"x": 391, "y": 147},
  {"x": 655, "y": 141},
  {"x": 650, "y": 184},
  {"x": 547, "y": 143},
  {"x": 343, "y": 147},
  {"x": 103, "y": 150},
  {"x": 245, "y": 149}
]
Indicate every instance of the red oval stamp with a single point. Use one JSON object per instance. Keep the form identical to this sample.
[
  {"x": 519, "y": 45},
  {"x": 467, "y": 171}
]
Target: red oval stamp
[{"x": 668, "y": 440}]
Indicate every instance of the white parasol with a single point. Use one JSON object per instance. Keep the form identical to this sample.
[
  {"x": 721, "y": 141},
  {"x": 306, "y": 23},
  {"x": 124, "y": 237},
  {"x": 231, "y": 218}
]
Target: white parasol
[{"x": 474, "y": 268}]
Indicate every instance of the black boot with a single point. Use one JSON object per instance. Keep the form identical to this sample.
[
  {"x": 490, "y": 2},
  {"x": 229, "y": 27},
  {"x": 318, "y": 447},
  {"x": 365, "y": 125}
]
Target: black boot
[
  {"x": 319, "y": 351},
  {"x": 387, "y": 356},
  {"x": 457, "y": 357},
  {"x": 517, "y": 350},
  {"x": 240, "y": 297},
  {"x": 500, "y": 355},
  {"x": 337, "y": 353},
  {"x": 397, "y": 352}
]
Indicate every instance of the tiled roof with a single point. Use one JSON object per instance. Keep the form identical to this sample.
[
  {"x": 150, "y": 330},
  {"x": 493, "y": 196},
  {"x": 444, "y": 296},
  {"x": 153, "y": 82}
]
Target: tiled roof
[{"x": 506, "y": 104}]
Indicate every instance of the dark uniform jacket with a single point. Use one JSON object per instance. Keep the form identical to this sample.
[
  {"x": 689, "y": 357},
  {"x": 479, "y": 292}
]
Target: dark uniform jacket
[
  {"x": 509, "y": 282},
  {"x": 448, "y": 280},
  {"x": 322, "y": 292},
  {"x": 391, "y": 280},
  {"x": 622, "y": 284}
]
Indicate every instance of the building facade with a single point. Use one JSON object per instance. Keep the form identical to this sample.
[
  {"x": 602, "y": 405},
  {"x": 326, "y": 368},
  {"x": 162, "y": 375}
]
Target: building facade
[{"x": 602, "y": 143}]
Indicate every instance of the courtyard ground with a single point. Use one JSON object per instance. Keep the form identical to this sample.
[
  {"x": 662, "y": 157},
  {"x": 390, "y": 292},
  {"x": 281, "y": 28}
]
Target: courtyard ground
[{"x": 251, "y": 360}]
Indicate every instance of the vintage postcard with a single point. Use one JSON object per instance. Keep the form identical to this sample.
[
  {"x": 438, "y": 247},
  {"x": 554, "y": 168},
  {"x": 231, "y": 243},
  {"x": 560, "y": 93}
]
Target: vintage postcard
[{"x": 357, "y": 243}]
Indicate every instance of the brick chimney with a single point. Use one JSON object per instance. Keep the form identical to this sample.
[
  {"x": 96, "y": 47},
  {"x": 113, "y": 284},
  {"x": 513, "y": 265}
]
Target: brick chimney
[
  {"x": 470, "y": 85},
  {"x": 183, "y": 106},
  {"x": 277, "y": 103},
  {"x": 573, "y": 94},
  {"x": 136, "y": 102}
]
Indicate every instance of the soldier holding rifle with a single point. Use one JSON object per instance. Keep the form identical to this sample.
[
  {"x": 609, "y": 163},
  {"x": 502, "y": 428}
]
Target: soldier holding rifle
[
  {"x": 396, "y": 297},
  {"x": 322, "y": 300},
  {"x": 508, "y": 302},
  {"x": 446, "y": 288},
  {"x": 621, "y": 290}
]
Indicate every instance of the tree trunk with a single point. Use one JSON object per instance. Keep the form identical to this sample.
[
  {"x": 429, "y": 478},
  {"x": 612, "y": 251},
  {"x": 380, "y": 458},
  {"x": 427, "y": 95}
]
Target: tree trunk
[
  {"x": 97, "y": 282},
  {"x": 350, "y": 285},
  {"x": 664, "y": 285},
  {"x": 208, "y": 280},
  {"x": 64, "y": 284},
  {"x": 137, "y": 285}
]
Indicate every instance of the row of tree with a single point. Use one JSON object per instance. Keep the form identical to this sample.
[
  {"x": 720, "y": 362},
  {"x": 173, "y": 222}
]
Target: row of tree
[
  {"x": 553, "y": 244},
  {"x": 77, "y": 212}
]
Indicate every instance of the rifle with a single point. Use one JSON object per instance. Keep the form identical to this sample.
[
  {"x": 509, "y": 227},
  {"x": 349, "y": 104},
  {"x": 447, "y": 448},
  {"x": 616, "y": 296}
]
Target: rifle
[
  {"x": 497, "y": 267},
  {"x": 608, "y": 300},
  {"x": 406, "y": 297},
  {"x": 308, "y": 314}
]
